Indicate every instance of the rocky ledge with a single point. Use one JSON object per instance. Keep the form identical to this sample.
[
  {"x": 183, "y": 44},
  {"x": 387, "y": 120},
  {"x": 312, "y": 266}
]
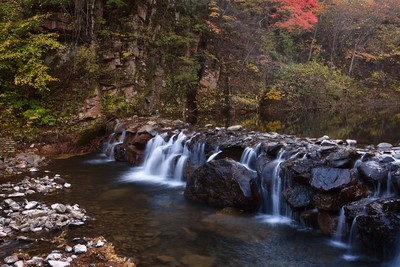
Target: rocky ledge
[{"x": 309, "y": 179}]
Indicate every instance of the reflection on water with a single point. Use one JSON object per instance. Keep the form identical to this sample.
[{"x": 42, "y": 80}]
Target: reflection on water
[
  {"x": 366, "y": 125},
  {"x": 155, "y": 225}
]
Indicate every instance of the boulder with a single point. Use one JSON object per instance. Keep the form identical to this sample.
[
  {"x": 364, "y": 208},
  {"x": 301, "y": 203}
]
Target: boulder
[
  {"x": 327, "y": 222},
  {"x": 379, "y": 225},
  {"x": 325, "y": 179},
  {"x": 341, "y": 158},
  {"x": 298, "y": 196},
  {"x": 335, "y": 201},
  {"x": 372, "y": 172},
  {"x": 224, "y": 183}
]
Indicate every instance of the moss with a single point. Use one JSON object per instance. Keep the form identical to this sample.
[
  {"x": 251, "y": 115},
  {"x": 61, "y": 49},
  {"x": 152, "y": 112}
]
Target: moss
[{"x": 90, "y": 133}]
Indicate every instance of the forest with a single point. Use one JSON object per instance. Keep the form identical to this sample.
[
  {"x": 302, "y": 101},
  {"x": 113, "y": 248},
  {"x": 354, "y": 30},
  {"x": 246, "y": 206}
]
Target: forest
[{"x": 64, "y": 63}]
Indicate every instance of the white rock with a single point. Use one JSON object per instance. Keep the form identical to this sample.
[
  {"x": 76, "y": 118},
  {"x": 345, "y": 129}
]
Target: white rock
[
  {"x": 54, "y": 256},
  {"x": 55, "y": 263},
  {"x": 99, "y": 244},
  {"x": 60, "y": 208},
  {"x": 11, "y": 259},
  {"x": 33, "y": 169},
  {"x": 17, "y": 194},
  {"x": 67, "y": 185},
  {"x": 31, "y": 205},
  {"x": 68, "y": 249},
  {"x": 19, "y": 264},
  {"x": 384, "y": 146},
  {"x": 351, "y": 142},
  {"x": 78, "y": 249},
  {"x": 235, "y": 128}
]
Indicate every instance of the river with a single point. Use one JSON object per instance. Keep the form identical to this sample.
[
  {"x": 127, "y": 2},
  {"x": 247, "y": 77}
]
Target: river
[{"x": 153, "y": 223}]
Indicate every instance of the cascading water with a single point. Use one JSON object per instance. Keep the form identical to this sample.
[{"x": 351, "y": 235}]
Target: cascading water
[
  {"x": 248, "y": 158},
  {"x": 198, "y": 155},
  {"x": 277, "y": 211},
  {"x": 163, "y": 161},
  {"x": 351, "y": 254},
  {"x": 217, "y": 151},
  {"x": 277, "y": 187},
  {"x": 340, "y": 234},
  {"x": 113, "y": 141}
]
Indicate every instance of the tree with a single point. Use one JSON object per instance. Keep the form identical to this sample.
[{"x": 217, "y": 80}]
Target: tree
[{"x": 24, "y": 72}]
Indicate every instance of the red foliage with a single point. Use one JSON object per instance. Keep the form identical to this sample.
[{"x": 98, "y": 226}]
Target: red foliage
[{"x": 294, "y": 14}]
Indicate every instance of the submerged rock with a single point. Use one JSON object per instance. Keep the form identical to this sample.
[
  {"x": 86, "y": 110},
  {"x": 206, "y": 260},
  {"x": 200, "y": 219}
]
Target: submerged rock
[{"x": 224, "y": 183}]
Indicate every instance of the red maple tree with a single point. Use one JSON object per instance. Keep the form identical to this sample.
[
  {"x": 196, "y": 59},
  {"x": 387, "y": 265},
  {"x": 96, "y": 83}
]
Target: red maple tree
[{"x": 294, "y": 14}]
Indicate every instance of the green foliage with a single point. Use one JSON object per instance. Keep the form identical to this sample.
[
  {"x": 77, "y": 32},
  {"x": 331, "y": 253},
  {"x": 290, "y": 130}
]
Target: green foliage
[
  {"x": 23, "y": 49},
  {"x": 86, "y": 62},
  {"x": 39, "y": 116},
  {"x": 117, "y": 3},
  {"x": 312, "y": 85}
]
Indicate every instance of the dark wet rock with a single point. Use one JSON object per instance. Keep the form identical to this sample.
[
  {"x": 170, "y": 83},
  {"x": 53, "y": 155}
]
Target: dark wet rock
[
  {"x": 373, "y": 172},
  {"x": 329, "y": 179},
  {"x": 209, "y": 184},
  {"x": 334, "y": 201},
  {"x": 119, "y": 152},
  {"x": 341, "y": 158},
  {"x": 298, "y": 196},
  {"x": 233, "y": 152},
  {"x": 300, "y": 169},
  {"x": 357, "y": 208},
  {"x": 327, "y": 222},
  {"x": 379, "y": 224},
  {"x": 310, "y": 218},
  {"x": 133, "y": 155}
]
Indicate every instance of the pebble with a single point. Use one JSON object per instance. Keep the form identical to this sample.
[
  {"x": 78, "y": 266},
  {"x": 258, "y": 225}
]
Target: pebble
[
  {"x": 79, "y": 249},
  {"x": 11, "y": 259}
]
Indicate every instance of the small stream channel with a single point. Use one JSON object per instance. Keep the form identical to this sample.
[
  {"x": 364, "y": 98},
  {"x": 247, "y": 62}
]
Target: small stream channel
[{"x": 155, "y": 225}]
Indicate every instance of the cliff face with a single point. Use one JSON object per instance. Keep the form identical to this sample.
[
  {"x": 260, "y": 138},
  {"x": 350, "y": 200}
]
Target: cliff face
[{"x": 146, "y": 57}]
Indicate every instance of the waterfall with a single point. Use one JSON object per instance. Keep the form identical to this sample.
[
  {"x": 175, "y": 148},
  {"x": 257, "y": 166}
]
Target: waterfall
[
  {"x": 108, "y": 150},
  {"x": 340, "y": 234},
  {"x": 276, "y": 191},
  {"x": 248, "y": 158},
  {"x": 198, "y": 155},
  {"x": 163, "y": 161},
  {"x": 351, "y": 244},
  {"x": 217, "y": 151},
  {"x": 276, "y": 209}
]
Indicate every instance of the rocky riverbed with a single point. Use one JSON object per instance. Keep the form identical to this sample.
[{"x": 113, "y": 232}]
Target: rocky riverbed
[{"x": 26, "y": 220}]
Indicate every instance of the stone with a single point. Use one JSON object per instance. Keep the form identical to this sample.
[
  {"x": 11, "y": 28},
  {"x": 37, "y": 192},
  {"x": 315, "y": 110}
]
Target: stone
[
  {"x": 351, "y": 142},
  {"x": 341, "y": 158},
  {"x": 384, "y": 146},
  {"x": 209, "y": 183},
  {"x": 11, "y": 259},
  {"x": 298, "y": 196},
  {"x": 378, "y": 225},
  {"x": 329, "y": 179},
  {"x": 57, "y": 263},
  {"x": 59, "y": 208},
  {"x": 31, "y": 205},
  {"x": 327, "y": 222},
  {"x": 235, "y": 128},
  {"x": 79, "y": 249},
  {"x": 372, "y": 172}
]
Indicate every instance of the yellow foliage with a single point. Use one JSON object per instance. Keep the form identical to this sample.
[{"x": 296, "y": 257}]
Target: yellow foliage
[
  {"x": 274, "y": 126},
  {"x": 274, "y": 94}
]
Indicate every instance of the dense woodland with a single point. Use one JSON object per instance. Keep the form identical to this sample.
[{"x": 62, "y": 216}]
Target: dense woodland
[{"x": 188, "y": 56}]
